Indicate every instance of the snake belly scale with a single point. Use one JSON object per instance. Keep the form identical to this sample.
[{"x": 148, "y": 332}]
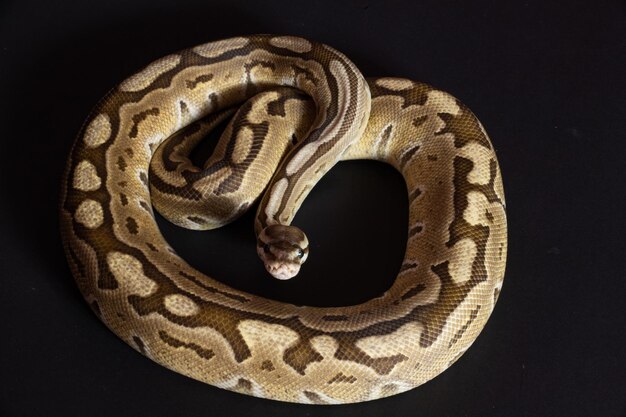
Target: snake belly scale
[{"x": 304, "y": 107}]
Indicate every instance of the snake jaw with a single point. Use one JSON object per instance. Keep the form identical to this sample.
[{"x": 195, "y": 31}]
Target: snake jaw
[{"x": 282, "y": 271}]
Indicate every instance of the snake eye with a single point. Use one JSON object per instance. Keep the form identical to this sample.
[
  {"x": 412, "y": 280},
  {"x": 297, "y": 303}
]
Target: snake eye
[
  {"x": 300, "y": 253},
  {"x": 266, "y": 248}
]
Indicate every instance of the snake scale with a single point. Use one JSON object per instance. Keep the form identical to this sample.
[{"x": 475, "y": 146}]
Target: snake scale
[{"x": 296, "y": 108}]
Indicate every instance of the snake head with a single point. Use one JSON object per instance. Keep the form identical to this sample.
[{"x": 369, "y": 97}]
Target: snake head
[{"x": 283, "y": 249}]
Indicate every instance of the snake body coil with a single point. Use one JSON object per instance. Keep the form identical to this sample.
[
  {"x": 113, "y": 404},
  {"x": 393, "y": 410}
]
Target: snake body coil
[{"x": 305, "y": 107}]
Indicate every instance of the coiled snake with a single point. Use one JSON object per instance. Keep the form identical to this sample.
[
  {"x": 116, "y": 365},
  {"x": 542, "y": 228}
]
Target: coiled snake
[{"x": 305, "y": 107}]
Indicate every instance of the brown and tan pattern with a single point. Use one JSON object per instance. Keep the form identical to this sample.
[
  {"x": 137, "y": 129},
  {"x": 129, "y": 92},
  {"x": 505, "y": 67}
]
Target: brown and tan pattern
[{"x": 302, "y": 108}]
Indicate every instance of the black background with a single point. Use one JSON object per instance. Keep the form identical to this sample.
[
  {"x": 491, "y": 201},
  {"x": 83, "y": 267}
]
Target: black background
[{"x": 545, "y": 78}]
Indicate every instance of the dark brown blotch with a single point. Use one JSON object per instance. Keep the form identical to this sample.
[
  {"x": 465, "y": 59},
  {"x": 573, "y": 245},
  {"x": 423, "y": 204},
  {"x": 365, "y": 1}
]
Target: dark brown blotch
[
  {"x": 412, "y": 292},
  {"x": 418, "y": 121},
  {"x": 416, "y": 95},
  {"x": 462, "y": 330},
  {"x": 143, "y": 177},
  {"x": 191, "y": 84},
  {"x": 121, "y": 163},
  {"x": 382, "y": 366},
  {"x": 106, "y": 279},
  {"x": 184, "y": 110},
  {"x": 464, "y": 127},
  {"x": 301, "y": 355},
  {"x": 177, "y": 343},
  {"x": 140, "y": 345},
  {"x": 335, "y": 317},
  {"x": 145, "y": 206},
  {"x": 314, "y": 397},
  {"x": 341, "y": 377},
  {"x": 277, "y": 107},
  {"x": 407, "y": 266},
  {"x": 96, "y": 308},
  {"x": 209, "y": 288},
  {"x": 243, "y": 386},
  {"x": 140, "y": 117},
  {"x": 196, "y": 219},
  {"x": 132, "y": 226},
  {"x": 304, "y": 72},
  {"x": 267, "y": 365},
  {"x": 496, "y": 294},
  {"x": 385, "y": 136},
  {"x": 388, "y": 389},
  {"x": 434, "y": 316},
  {"x": 415, "y": 230},
  {"x": 414, "y": 195},
  {"x": 281, "y": 233},
  {"x": 408, "y": 155}
]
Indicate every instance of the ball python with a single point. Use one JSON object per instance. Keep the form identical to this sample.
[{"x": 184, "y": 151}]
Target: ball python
[{"x": 297, "y": 107}]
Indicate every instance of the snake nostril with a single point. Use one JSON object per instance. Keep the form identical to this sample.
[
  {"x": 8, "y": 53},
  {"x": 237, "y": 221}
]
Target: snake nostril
[{"x": 266, "y": 248}]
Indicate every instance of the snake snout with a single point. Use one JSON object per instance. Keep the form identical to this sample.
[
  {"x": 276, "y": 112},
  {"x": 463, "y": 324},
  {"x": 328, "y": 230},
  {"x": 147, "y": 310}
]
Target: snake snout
[{"x": 283, "y": 271}]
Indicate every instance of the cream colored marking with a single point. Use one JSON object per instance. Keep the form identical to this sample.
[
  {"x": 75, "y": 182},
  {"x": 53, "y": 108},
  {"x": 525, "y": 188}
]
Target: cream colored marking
[
  {"x": 275, "y": 197},
  {"x": 379, "y": 139},
  {"x": 325, "y": 398},
  {"x": 475, "y": 212},
  {"x": 443, "y": 102},
  {"x": 498, "y": 185},
  {"x": 291, "y": 43},
  {"x": 258, "y": 113},
  {"x": 259, "y": 73},
  {"x": 98, "y": 131},
  {"x": 414, "y": 155},
  {"x": 325, "y": 346},
  {"x": 261, "y": 336},
  {"x": 385, "y": 388},
  {"x": 243, "y": 144},
  {"x": 462, "y": 256},
  {"x": 89, "y": 213},
  {"x": 338, "y": 70},
  {"x": 231, "y": 384},
  {"x": 305, "y": 153},
  {"x": 206, "y": 184},
  {"x": 86, "y": 177},
  {"x": 480, "y": 156},
  {"x": 416, "y": 224},
  {"x": 395, "y": 84},
  {"x": 147, "y": 76},
  {"x": 301, "y": 157},
  {"x": 181, "y": 305},
  {"x": 128, "y": 271},
  {"x": 397, "y": 342},
  {"x": 414, "y": 189},
  {"x": 213, "y": 49},
  {"x": 186, "y": 113}
]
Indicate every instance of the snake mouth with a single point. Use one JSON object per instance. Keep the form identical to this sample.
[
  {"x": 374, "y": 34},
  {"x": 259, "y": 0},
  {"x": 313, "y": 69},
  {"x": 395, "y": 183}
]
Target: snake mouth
[{"x": 282, "y": 271}]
